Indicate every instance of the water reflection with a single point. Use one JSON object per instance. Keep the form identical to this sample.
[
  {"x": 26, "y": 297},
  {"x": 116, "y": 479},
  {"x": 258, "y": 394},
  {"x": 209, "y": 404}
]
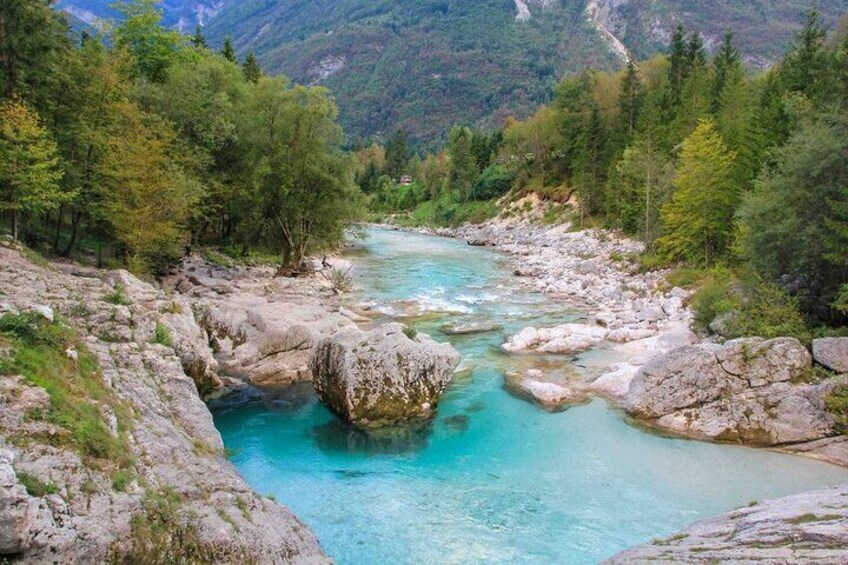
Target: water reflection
[{"x": 336, "y": 436}]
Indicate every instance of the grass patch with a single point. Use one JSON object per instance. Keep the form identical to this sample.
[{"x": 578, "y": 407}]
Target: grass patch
[
  {"x": 76, "y": 388},
  {"x": 121, "y": 479},
  {"x": 162, "y": 336},
  {"x": 810, "y": 517},
  {"x": 163, "y": 533},
  {"x": 35, "y": 486},
  {"x": 118, "y": 296}
]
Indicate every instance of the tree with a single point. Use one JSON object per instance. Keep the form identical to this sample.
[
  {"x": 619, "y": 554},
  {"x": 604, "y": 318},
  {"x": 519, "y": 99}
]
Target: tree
[
  {"x": 33, "y": 43},
  {"x": 728, "y": 68},
  {"x": 198, "y": 40},
  {"x": 228, "y": 51},
  {"x": 153, "y": 48},
  {"x": 397, "y": 155},
  {"x": 29, "y": 164},
  {"x": 699, "y": 217},
  {"x": 678, "y": 63},
  {"x": 794, "y": 225},
  {"x": 250, "y": 68},
  {"x": 463, "y": 165},
  {"x": 630, "y": 100},
  {"x": 146, "y": 196},
  {"x": 305, "y": 181}
]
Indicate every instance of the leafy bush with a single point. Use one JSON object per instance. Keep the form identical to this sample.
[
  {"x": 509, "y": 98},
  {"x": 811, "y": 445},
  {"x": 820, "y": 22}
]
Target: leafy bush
[
  {"x": 713, "y": 299},
  {"x": 837, "y": 404},
  {"x": 35, "y": 486},
  {"x": 410, "y": 332},
  {"x": 162, "y": 336},
  {"x": 341, "y": 278},
  {"x": 493, "y": 182},
  {"x": 118, "y": 296}
]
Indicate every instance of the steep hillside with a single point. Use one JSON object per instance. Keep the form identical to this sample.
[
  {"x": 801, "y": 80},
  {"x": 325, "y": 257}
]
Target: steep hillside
[
  {"x": 420, "y": 64},
  {"x": 425, "y": 65},
  {"x": 764, "y": 29}
]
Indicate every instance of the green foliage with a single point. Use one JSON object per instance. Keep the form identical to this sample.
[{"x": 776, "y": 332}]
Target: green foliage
[
  {"x": 162, "y": 336},
  {"x": 163, "y": 533},
  {"x": 837, "y": 405},
  {"x": 35, "y": 486},
  {"x": 118, "y": 296},
  {"x": 715, "y": 297},
  {"x": 75, "y": 387},
  {"x": 768, "y": 311},
  {"x": 410, "y": 332},
  {"x": 153, "y": 48},
  {"x": 121, "y": 479},
  {"x": 699, "y": 217},
  {"x": 29, "y": 171}
]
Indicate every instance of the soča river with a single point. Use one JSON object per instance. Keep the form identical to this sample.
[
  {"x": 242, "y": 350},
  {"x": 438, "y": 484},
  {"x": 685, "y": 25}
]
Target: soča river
[{"x": 493, "y": 479}]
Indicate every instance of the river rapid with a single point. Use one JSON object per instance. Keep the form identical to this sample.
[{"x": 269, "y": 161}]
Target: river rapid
[{"x": 493, "y": 479}]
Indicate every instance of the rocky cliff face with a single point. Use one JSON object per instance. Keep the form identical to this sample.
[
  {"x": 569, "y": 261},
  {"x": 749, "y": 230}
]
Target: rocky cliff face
[{"x": 146, "y": 479}]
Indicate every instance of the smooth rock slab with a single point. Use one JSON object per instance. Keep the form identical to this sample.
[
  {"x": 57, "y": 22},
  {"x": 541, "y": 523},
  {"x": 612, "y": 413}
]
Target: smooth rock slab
[
  {"x": 470, "y": 328},
  {"x": 809, "y": 528},
  {"x": 382, "y": 377},
  {"x": 832, "y": 352}
]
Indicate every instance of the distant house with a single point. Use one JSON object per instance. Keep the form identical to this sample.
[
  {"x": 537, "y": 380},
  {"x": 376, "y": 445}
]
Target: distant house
[{"x": 405, "y": 180}]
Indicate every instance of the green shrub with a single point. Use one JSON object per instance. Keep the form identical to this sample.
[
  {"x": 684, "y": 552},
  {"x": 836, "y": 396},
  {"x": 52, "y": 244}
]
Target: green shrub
[
  {"x": 121, "y": 479},
  {"x": 35, "y": 486},
  {"x": 118, "y": 296},
  {"x": 713, "y": 299},
  {"x": 410, "y": 331},
  {"x": 768, "y": 311},
  {"x": 837, "y": 405},
  {"x": 162, "y": 336}
]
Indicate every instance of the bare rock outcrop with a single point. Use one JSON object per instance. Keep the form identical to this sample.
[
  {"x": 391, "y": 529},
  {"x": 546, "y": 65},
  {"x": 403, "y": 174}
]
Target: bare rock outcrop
[
  {"x": 62, "y": 504},
  {"x": 809, "y": 528},
  {"x": 382, "y": 377},
  {"x": 832, "y": 352},
  {"x": 748, "y": 390}
]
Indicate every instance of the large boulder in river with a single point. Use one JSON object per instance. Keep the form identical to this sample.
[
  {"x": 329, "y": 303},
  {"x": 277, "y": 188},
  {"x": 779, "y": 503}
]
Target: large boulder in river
[
  {"x": 832, "y": 352},
  {"x": 748, "y": 390},
  {"x": 552, "y": 397},
  {"x": 381, "y": 377}
]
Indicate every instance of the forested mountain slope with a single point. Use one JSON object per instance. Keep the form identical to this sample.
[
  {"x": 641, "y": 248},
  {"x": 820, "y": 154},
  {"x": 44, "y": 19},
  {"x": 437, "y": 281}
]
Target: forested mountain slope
[{"x": 424, "y": 65}]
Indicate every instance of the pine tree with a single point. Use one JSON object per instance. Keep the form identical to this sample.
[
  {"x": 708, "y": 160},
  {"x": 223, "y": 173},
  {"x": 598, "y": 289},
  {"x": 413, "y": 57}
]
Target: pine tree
[
  {"x": 397, "y": 155},
  {"x": 250, "y": 68},
  {"x": 727, "y": 65},
  {"x": 699, "y": 217},
  {"x": 29, "y": 164},
  {"x": 630, "y": 99},
  {"x": 228, "y": 51},
  {"x": 678, "y": 63},
  {"x": 695, "y": 53},
  {"x": 197, "y": 39}
]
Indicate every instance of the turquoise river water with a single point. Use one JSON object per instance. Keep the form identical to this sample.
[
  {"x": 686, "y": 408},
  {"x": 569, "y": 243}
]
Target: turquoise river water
[{"x": 494, "y": 479}]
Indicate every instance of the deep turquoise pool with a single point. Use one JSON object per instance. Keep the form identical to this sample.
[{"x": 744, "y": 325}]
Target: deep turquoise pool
[{"x": 494, "y": 479}]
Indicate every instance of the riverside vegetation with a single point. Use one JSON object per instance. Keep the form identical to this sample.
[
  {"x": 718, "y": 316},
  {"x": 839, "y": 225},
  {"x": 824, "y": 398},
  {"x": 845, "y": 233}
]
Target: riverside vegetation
[{"x": 133, "y": 148}]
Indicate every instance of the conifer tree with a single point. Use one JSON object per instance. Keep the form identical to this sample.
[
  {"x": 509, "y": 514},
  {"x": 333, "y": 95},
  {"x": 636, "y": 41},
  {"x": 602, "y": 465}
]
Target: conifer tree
[
  {"x": 630, "y": 99},
  {"x": 699, "y": 217},
  {"x": 250, "y": 68},
  {"x": 727, "y": 67},
  {"x": 197, "y": 39},
  {"x": 228, "y": 51}
]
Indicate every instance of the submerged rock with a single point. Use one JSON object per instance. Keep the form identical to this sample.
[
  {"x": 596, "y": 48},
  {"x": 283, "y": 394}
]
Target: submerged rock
[
  {"x": 744, "y": 391},
  {"x": 809, "y": 528},
  {"x": 381, "y": 377},
  {"x": 550, "y": 396},
  {"x": 465, "y": 328}
]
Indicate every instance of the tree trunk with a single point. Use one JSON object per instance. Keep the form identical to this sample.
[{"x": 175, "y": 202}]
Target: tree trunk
[
  {"x": 59, "y": 222},
  {"x": 75, "y": 219},
  {"x": 15, "y": 225}
]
